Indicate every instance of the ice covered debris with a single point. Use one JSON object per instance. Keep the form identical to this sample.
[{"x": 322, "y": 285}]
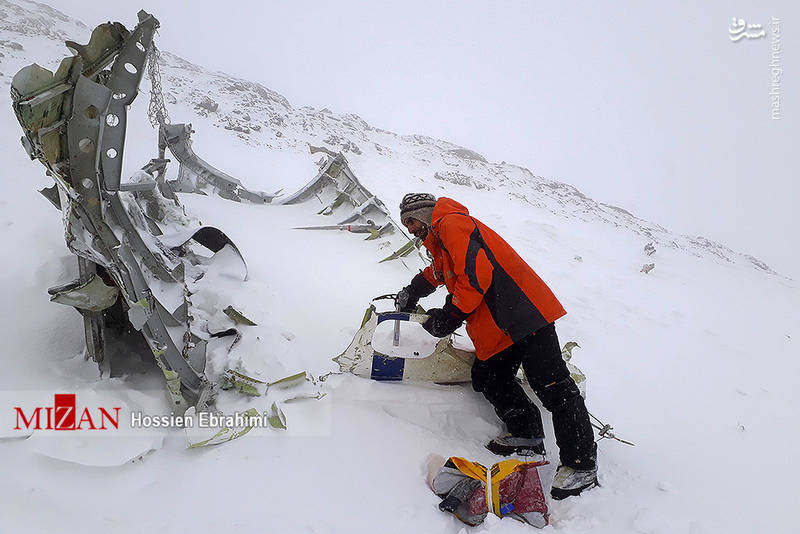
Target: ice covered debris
[
  {"x": 140, "y": 256},
  {"x": 137, "y": 250}
]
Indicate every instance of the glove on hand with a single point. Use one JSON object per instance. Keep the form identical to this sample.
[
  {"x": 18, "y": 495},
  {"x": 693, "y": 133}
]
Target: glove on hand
[
  {"x": 444, "y": 321},
  {"x": 405, "y": 301},
  {"x": 408, "y": 297}
]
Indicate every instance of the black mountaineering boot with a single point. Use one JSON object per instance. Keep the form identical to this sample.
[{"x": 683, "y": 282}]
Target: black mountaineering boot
[
  {"x": 570, "y": 482},
  {"x": 507, "y": 444}
]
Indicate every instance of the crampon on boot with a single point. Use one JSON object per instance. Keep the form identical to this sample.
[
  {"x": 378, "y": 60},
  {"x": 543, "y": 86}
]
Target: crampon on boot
[{"x": 507, "y": 444}]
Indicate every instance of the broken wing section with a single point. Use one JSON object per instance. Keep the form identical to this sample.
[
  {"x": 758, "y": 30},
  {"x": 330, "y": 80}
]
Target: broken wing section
[
  {"x": 195, "y": 175},
  {"x": 339, "y": 195}
]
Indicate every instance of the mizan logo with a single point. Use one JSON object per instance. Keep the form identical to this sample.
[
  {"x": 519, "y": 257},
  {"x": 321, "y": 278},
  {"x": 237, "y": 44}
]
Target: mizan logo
[{"x": 63, "y": 415}]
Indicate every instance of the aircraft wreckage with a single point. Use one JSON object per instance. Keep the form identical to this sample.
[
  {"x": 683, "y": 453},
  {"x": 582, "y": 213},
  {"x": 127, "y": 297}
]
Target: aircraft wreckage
[{"x": 137, "y": 255}]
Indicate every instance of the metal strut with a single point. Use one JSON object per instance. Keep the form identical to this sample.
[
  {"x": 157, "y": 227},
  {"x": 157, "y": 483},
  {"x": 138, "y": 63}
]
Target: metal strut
[{"x": 604, "y": 431}]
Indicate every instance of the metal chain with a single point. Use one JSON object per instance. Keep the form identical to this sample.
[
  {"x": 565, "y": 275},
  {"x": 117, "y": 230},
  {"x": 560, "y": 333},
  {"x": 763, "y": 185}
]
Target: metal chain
[{"x": 157, "y": 110}]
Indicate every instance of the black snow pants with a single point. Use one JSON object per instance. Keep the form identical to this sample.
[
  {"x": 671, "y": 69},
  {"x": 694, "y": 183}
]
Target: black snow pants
[{"x": 540, "y": 356}]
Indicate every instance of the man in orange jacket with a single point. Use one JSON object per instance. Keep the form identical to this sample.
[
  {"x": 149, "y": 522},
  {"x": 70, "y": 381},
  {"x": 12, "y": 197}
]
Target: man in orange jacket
[{"x": 510, "y": 314}]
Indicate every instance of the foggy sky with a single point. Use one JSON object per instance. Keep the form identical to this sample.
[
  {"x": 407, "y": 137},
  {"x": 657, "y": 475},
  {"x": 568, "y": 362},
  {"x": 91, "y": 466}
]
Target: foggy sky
[{"x": 646, "y": 106}]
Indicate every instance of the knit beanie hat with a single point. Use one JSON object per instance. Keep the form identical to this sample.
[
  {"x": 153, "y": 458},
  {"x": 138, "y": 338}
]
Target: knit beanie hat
[{"x": 418, "y": 206}]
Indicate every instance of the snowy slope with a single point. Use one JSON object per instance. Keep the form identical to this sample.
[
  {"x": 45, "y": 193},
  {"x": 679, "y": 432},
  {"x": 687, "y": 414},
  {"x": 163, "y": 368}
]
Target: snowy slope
[
  {"x": 262, "y": 118},
  {"x": 695, "y": 362}
]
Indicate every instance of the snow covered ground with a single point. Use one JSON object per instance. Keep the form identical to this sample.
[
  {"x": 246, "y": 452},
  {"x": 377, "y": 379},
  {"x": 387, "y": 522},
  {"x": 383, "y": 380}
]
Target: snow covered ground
[{"x": 695, "y": 362}]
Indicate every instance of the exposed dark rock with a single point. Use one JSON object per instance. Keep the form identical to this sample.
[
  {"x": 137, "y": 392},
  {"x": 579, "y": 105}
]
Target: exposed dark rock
[
  {"x": 12, "y": 45},
  {"x": 455, "y": 177},
  {"x": 208, "y": 104},
  {"x": 465, "y": 153}
]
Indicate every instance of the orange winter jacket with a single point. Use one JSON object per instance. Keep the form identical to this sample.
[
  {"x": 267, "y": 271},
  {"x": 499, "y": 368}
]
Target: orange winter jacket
[{"x": 504, "y": 299}]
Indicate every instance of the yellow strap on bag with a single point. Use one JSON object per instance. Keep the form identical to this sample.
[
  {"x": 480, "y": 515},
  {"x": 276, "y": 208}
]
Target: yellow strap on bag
[
  {"x": 471, "y": 469},
  {"x": 491, "y": 478},
  {"x": 499, "y": 471}
]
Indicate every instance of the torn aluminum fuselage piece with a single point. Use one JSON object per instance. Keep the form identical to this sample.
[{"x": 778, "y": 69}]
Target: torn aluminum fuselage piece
[
  {"x": 445, "y": 365},
  {"x": 340, "y": 194},
  {"x": 93, "y": 295},
  {"x": 75, "y": 124},
  {"x": 195, "y": 175}
]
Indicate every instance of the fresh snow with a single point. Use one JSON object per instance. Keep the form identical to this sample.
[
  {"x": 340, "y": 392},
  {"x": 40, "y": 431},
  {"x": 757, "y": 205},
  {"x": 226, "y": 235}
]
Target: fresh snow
[{"x": 695, "y": 362}]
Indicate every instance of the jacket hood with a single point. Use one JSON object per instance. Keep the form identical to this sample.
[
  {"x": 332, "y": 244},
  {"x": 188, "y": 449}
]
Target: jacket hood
[{"x": 446, "y": 206}]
